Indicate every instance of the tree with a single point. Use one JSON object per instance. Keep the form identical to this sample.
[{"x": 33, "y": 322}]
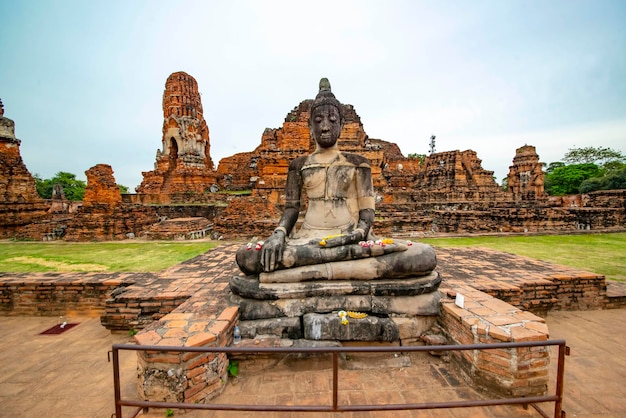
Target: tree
[
  {"x": 613, "y": 166},
  {"x": 123, "y": 189},
  {"x": 613, "y": 180},
  {"x": 567, "y": 179},
  {"x": 420, "y": 157},
  {"x": 73, "y": 188},
  {"x": 505, "y": 184},
  {"x": 553, "y": 166},
  {"x": 597, "y": 155}
]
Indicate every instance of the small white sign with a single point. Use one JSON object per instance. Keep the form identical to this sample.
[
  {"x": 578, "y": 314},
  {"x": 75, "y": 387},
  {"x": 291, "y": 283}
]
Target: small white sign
[{"x": 459, "y": 300}]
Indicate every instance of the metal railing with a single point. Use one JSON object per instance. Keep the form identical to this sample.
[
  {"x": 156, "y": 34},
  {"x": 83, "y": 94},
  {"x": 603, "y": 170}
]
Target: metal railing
[{"x": 557, "y": 398}]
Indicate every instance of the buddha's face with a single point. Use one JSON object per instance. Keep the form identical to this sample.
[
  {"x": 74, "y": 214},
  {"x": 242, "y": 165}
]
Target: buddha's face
[{"x": 325, "y": 124}]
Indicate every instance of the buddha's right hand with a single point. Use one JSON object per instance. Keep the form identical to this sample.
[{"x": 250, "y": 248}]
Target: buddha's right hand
[
  {"x": 347, "y": 239},
  {"x": 272, "y": 251}
]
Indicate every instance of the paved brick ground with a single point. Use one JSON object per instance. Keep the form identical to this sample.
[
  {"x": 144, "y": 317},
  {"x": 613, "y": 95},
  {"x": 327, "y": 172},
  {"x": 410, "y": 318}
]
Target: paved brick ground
[{"x": 67, "y": 375}]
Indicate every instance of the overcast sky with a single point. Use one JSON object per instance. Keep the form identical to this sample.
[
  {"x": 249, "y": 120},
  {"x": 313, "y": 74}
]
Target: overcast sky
[{"x": 83, "y": 80}]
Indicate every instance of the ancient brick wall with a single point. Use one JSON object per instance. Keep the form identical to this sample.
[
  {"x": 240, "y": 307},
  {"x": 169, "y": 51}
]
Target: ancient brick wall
[
  {"x": 455, "y": 172},
  {"x": 242, "y": 218},
  {"x": 101, "y": 187},
  {"x": 20, "y": 204},
  {"x": 179, "y": 229},
  {"x": 103, "y": 216},
  {"x": 265, "y": 169},
  {"x": 607, "y": 199},
  {"x": 23, "y": 296}
]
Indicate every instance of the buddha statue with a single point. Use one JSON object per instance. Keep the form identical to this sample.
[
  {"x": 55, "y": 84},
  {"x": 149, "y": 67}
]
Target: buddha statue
[{"x": 336, "y": 240}]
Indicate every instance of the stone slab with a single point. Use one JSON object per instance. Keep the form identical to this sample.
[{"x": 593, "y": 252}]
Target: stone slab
[
  {"x": 329, "y": 327},
  {"x": 250, "y": 287},
  {"x": 418, "y": 305},
  {"x": 280, "y": 327}
]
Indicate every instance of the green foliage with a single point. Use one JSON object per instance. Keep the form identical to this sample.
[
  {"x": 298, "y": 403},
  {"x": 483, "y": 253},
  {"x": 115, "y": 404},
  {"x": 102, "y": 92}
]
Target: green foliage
[
  {"x": 73, "y": 188},
  {"x": 246, "y": 192},
  {"x": 504, "y": 185},
  {"x": 567, "y": 179},
  {"x": 553, "y": 166},
  {"x": 123, "y": 189},
  {"x": 169, "y": 412},
  {"x": 612, "y": 180},
  {"x": 420, "y": 157},
  {"x": 612, "y": 166},
  {"x": 589, "y": 169},
  {"x": 598, "y": 155},
  {"x": 132, "y": 332},
  {"x": 233, "y": 368}
]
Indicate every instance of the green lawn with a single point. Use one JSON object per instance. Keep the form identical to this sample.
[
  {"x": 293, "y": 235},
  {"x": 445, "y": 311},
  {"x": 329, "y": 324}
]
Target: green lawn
[
  {"x": 107, "y": 257},
  {"x": 598, "y": 253}
]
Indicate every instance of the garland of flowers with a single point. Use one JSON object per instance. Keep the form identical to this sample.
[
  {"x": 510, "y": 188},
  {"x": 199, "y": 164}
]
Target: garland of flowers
[
  {"x": 323, "y": 241},
  {"x": 343, "y": 315},
  {"x": 382, "y": 242},
  {"x": 257, "y": 246}
]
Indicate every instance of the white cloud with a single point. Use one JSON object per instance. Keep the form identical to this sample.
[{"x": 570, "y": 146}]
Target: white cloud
[{"x": 84, "y": 81}]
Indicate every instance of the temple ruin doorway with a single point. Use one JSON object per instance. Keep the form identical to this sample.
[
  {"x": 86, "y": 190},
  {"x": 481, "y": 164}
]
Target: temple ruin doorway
[{"x": 173, "y": 153}]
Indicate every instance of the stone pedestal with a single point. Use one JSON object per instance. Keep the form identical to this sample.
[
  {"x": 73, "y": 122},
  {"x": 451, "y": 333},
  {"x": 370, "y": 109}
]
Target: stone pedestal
[{"x": 397, "y": 310}]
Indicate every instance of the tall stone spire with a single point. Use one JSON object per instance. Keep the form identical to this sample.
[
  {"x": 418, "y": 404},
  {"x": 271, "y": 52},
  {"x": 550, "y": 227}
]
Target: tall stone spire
[
  {"x": 185, "y": 132},
  {"x": 183, "y": 164}
]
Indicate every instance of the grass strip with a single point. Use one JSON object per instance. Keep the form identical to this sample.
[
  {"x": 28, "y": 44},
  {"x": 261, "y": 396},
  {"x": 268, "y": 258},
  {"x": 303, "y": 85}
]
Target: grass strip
[
  {"x": 151, "y": 256},
  {"x": 599, "y": 253}
]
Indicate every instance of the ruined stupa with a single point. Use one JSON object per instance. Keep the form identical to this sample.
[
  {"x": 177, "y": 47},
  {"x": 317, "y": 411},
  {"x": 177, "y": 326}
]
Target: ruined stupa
[
  {"x": 184, "y": 164},
  {"x": 20, "y": 204},
  {"x": 526, "y": 178}
]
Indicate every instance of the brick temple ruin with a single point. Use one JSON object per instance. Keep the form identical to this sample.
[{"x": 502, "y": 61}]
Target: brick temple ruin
[
  {"x": 446, "y": 192},
  {"x": 186, "y": 197}
]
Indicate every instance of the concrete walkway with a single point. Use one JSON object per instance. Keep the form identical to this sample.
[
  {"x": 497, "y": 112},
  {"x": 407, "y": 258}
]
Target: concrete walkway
[{"x": 68, "y": 375}]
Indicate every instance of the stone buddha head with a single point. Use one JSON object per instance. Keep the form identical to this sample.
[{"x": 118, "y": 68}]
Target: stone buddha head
[{"x": 326, "y": 119}]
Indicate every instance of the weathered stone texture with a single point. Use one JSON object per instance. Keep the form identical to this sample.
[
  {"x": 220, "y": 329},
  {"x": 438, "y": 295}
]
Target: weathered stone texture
[
  {"x": 20, "y": 204},
  {"x": 247, "y": 217},
  {"x": 179, "y": 229},
  {"x": 517, "y": 372},
  {"x": 525, "y": 179},
  {"x": 446, "y": 192},
  {"x": 454, "y": 172},
  {"x": 265, "y": 169},
  {"x": 101, "y": 187},
  {"x": 103, "y": 216},
  {"x": 184, "y": 164}
]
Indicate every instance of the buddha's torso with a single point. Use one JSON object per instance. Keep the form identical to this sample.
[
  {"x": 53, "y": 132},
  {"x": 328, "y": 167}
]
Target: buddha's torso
[{"x": 332, "y": 195}]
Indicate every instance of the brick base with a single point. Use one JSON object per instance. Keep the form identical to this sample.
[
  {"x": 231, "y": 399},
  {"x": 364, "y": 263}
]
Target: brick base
[
  {"x": 516, "y": 372},
  {"x": 184, "y": 376}
]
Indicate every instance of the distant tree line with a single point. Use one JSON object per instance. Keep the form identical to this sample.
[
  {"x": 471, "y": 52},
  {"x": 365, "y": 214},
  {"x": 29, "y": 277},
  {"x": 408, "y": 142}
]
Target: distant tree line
[
  {"x": 73, "y": 189},
  {"x": 585, "y": 170}
]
